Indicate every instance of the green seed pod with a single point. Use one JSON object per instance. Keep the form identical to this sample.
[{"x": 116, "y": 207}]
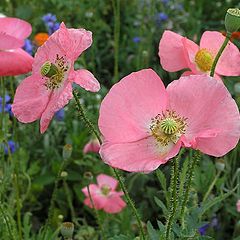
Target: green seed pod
[
  {"x": 232, "y": 20},
  {"x": 237, "y": 88},
  {"x": 67, "y": 151},
  {"x": 48, "y": 69},
  {"x": 220, "y": 164},
  {"x": 67, "y": 229}
]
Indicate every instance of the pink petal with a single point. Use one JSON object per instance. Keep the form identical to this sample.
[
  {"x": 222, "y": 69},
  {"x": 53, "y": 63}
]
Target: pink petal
[
  {"x": 9, "y": 42},
  {"x": 93, "y": 189},
  {"x": 79, "y": 40},
  {"x": 15, "y": 27},
  {"x": 228, "y": 64},
  {"x": 103, "y": 179},
  {"x": 30, "y": 99},
  {"x": 144, "y": 155},
  {"x": 15, "y": 62},
  {"x": 114, "y": 204},
  {"x": 126, "y": 111},
  {"x": 49, "y": 51},
  {"x": 190, "y": 50},
  {"x": 171, "y": 52},
  {"x": 98, "y": 201},
  {"x": 92, "y": 146},
  {"x": 212, "y": 115},
  {"x": 86, "y": 80},
  {"x": 58, "y": 99}
]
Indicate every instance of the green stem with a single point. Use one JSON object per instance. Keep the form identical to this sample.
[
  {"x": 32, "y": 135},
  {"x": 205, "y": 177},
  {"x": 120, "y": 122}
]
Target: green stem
[
  {"x": 7, "y": 223},
  {"x": 174, "y": 194},
  {"x": 116, "y": 11},
  {"x": 96, "y": 213},
  {"x": 130, "y": 202},
  {"x": 84, "y": 117},
  {"x": 54, "y": 194},
  {"x": 211, "y": 186},
  {"x": 228, "y": 36},
  {"x": 69, "y": 200},
  {"x": 119, "y": 177},
  {"x": 189, "y": 176},
  {"x": 16, "y": 189}
]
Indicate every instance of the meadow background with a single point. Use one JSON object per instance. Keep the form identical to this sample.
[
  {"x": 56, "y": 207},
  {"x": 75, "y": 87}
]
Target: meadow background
[{"x": 126, "y": 35}]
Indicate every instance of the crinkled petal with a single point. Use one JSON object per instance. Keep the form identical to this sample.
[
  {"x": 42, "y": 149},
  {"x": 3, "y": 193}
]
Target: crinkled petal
[
  {"x": 114, "y": 204},
  {"x": 15, "y": 27},
  {"x": 75, "y": 41},
  {"x": 15, "y": 62},
  {"x": 228, "y": 64},
  {"x": 103, "y": 179},
  {"x": 58, "y": 99},
  {"x": 171, "y": 52},
  {"x": 127, "y": 110},
  {"x": 212, "y": 115},
  {"x": 86, "y": 80},
  {"x": 30, "y": 99},
  {"x": 144, "y": 155}
]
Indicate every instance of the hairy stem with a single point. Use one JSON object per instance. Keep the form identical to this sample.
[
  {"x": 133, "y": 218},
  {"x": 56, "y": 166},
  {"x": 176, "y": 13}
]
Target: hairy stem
[
  {"x": 189, "y": 176},
  {"x": 96, "y": 213},
  {"x": 174, "y": 196}
]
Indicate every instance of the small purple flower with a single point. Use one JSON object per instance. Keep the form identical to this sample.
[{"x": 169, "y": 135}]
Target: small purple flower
[
  {"x": 7, "y": 105},
  {"x": 56, "y": 26},
  {"x": 49, "y": 18},
  {"x": 136, "y": 39},
  {"x": 161, "y": 17},
  {"x": 165, "y": 1},
  {"x": 202, "y": 230},
  {"x": 12, "y": 146},
  {"x": 59, "y": 115},
  {"x": 28, "y": 46},
  {"x": 51, "y": 23}
]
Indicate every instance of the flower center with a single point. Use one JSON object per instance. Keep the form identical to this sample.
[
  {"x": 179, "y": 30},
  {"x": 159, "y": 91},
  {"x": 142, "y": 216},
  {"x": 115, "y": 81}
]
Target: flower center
[
  {"x": 168, "y": 127},
  {"x": 55, "y": 73},
  {"x": 105, "y": 190},
  {"x": 204, "y": 60}
]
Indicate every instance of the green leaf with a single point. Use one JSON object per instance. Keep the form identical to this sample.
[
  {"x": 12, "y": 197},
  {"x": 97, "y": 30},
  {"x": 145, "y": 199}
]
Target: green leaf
[
  {"x": 153, "y": 234},
  {"x": 161, "y": 205}
]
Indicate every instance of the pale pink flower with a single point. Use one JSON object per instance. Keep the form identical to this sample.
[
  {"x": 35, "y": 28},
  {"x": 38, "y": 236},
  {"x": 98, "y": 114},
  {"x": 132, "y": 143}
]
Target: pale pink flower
[
  {"x": 92, "y": 146},
  {"x": 49, "y": 88},
  {"x": 144, "y": 125},
  {"x": 13, "y": 59},
  {"x": 177, "y": 53},
  {"x": 104, "y": 195},
  {"x": 238, "y": 205}
]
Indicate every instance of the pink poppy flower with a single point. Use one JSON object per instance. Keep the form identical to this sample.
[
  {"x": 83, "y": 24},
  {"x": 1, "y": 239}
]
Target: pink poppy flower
[
  {"x": 49, "y": 88},
  {"x": 144, "y": 125},
  {"x": 177, "y": 53},
  {"x": 238, "y": 205},
  {"x": 104, "y": 195},
  {"x": 13, "y": 59},
  {"x": 92, "y": 146}
]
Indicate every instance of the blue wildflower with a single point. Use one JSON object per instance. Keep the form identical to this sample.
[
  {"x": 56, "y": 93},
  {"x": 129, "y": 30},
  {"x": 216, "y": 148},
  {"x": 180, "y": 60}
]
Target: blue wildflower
[
  {"x": 12, "y": 146},
  {"x": 49, "y": 17},
  {"x": 59, "y": 115},
  {"x": 51, "y": 23},
  {"x": 7, "y": 105},
  {"x": 28, "y": 46},
  {"x": 165, "y": 1},
  {"x": 136, "y": 39},
  {"x": 202, "y": 230},
  {"x": 161, "y": 17}
]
